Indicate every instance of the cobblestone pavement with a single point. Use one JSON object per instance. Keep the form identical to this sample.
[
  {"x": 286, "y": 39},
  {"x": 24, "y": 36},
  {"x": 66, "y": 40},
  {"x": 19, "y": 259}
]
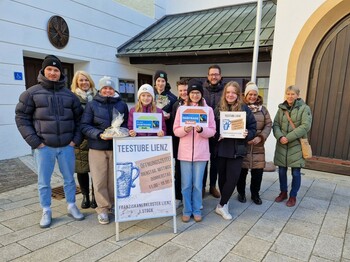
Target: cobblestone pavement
[
  {"x": 316, "y": 229},
  {"x": 14, "y": 174}
]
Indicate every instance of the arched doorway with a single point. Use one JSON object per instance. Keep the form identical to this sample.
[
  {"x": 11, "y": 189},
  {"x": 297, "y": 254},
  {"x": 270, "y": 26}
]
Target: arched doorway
[{"x": 328, "y": 96}]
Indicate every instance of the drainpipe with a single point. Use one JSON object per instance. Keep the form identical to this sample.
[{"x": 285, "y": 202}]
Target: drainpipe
[{"x": 257, "y": 40}]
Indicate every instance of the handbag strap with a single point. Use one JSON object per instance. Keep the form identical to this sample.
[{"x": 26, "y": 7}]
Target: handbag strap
[{"x": 289, "y": 119}]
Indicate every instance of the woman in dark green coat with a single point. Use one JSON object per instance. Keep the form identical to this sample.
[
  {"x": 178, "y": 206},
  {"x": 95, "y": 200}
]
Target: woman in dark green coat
[
  {"x": 288, "y": 149},
  {"x": 84, "y": 88}
]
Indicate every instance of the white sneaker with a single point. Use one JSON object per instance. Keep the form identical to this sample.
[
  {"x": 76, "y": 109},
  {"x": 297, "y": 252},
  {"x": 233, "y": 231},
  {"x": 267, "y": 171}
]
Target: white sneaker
[
  {"x": 178, "y": 203},
  {"x": 103, "y": 218},
  {"x": 75, "y": 213},
  {"x": 223, "y": 211},
  {"x": 46, "y": 219}
]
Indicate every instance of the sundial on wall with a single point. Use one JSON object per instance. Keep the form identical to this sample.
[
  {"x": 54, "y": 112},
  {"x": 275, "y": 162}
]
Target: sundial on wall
[{"x": 58, "y": 32}]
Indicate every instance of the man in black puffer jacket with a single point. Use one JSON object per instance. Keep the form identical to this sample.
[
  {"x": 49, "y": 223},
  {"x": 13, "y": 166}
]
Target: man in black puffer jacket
[{"x": 47, "y": 116}]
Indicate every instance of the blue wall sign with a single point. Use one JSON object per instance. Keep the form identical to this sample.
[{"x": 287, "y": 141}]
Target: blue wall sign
[{"x": 18, "y": 75}]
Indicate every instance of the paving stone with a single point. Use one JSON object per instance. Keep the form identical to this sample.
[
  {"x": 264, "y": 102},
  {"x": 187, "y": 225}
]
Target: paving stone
[
  {"x": 334, "y": 226},
  {"x": 338, "y": 211},
  {"x": 129, "y": 235},
  {"x": 266, "y": 229},
  {"x": 318, "y": 259},
  {"x": 180, "y": 226},
  {"x": 14, "y": 213},
  {"x": 319, "y": 193},
  {"x": 12, "y": 251},
  {"x": 342, "y": 190},
  {"x": 308, "y": 215},
  {"x": 94, "y": 253},
  {"x": 318, "y": 205},
  {"x": 4, "y": 230},
  {"x": 57, "y": 251},
  {"x": 275, "y": 257},
  {"x": 24, "y": 221},
  {"x": 302, "y": 228},
  {"x": 20, "y": 235},
  {"x": 329, "y": 247},
  {"x": 339, "y": 200},
  {"x": 158, "y": 236},
  {"x": 233, "y": 233},
  {"x": 252, "y": 248},
  {"x": 195, "y": 237},
  {"x": 249, "y": 217},
  {"x": 133, "y": 251},
  {"x": 48, "y": 237},
  {"x": 215, "y": 221},
  {"x": 170, "y": 252},
  {"x": 278, "y": 212},
  {"x": 266, "y": 204},
  {"x": 346, "y": 248},
  {"x": 99, "y": 233},
  {"x": 293, "y": 246},
  {"x": 215, "y": 251},
  {"x": 233, "y": 257},
  {"x": 153, "y": 223}
]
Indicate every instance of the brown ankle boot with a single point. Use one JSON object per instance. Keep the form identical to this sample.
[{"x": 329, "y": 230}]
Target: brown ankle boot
[
  {"x": 282, "y": 196},
  {"x": 214, "y": 192},
  {"x": 291, "y": 202}
]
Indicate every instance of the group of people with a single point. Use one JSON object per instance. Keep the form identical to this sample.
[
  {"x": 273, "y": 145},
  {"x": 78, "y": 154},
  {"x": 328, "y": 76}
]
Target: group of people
[{"x": 68, "y": 126}]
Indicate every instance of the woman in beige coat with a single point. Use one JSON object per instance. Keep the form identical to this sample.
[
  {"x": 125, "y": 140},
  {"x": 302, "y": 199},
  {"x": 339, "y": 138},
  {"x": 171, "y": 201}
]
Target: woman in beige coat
[{"x": 255, "y": 159}]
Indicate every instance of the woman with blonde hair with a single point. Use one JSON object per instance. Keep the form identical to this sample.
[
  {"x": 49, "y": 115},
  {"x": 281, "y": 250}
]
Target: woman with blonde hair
[
  {"x": 231, "y": 151},
  {"x": 84, "y": 88}
]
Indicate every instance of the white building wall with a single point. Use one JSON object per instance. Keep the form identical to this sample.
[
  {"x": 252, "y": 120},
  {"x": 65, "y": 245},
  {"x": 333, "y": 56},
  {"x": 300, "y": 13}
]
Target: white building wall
[
  {"x": 290, "y": 18},
  {"x": 96, "y": 30}
]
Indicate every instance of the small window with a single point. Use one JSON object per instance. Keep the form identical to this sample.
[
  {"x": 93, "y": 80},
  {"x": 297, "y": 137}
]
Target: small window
[{"x": 127, "y": 90}]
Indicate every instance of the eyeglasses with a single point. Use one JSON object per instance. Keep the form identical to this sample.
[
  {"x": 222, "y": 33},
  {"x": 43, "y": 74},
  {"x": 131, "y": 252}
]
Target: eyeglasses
[{"x": 212, "y": 75}]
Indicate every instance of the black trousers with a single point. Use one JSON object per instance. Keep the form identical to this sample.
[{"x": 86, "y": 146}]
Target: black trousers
[
  {"x": 255, "y": 182},
  {"x": 213, "y": 172},
  {"x": 178, "y": 194},
  {"x": 84, "y": 180},
  {"x": 229, "y": 172}
]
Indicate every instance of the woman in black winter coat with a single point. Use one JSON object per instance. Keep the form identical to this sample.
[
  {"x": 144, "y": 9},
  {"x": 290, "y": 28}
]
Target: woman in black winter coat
[
  {"x": 84, "y": 88},
  {"x": 231, "y": 151}
]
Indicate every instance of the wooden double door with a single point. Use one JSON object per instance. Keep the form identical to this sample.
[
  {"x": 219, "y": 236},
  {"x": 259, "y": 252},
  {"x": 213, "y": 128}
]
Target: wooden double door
[{"x": 329, "y": 99}]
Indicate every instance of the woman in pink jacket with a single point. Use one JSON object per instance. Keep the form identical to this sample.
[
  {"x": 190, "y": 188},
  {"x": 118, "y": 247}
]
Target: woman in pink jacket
[{"x": 193, "y": 153}]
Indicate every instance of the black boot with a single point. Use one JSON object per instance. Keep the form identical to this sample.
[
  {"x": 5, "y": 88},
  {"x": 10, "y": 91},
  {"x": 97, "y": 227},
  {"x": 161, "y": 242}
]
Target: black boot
[
  {"x": 86, "y": 202},
  {"x": 93, "y": 203}
]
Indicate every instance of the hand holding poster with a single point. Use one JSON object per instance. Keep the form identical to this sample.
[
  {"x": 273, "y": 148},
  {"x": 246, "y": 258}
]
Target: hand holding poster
[
  {"x": 232, "y": 124},
  {"x": 194, "y": 116}
]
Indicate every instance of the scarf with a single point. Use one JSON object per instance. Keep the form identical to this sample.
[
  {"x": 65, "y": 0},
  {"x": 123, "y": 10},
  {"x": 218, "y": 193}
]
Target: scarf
[{"x": 87, "y": 96}]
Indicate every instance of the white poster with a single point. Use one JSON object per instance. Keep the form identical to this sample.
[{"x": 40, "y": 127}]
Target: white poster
[
  {"x": 232, "y": 124},
  {"x": 143, "y": 175}
]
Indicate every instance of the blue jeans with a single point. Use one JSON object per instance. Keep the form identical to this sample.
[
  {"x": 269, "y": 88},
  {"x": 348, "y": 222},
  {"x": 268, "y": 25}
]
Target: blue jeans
[
  {"x": 45, "y": 159},
  {"x": 191, "y": 186},
  {"x": 296, "y": 180}
]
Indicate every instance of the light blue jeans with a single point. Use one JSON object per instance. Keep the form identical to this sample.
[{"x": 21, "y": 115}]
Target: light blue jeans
[
  {"x": 45, "y": 159},
  {"x": 296, "y": 180},
  {"x": 191, "y": 186}
]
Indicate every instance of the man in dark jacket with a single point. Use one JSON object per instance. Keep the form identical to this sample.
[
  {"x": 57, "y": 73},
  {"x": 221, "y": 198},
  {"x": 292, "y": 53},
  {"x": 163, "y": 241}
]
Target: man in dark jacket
[
  {"x": 213, "y": 88},
  {"x": 47, "y": 116}
]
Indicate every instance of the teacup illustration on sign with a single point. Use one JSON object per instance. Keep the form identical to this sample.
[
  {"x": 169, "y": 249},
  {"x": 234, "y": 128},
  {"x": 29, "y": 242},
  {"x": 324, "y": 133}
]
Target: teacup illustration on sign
[
  {"x": 226, "y": 123},
  {"x": 126, "y": 174}
]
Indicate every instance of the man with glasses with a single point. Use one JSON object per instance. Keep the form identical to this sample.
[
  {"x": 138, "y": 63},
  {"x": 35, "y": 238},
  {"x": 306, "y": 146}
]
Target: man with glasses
[{"x": 213, "y": 88}]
